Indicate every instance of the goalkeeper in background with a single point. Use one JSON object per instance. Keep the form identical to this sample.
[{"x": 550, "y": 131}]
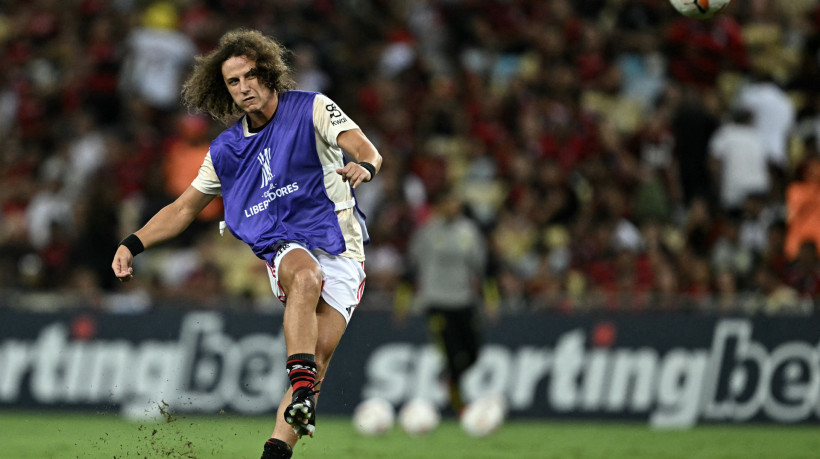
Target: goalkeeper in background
[{"x": 448, "y": 257}]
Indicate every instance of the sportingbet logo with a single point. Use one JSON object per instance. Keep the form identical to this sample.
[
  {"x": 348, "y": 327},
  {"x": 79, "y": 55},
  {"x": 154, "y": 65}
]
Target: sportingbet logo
[
  {"x": 203, "y": 370},
  {"x": 736, "y": 379},
  {"x": 732, "y": 378}
]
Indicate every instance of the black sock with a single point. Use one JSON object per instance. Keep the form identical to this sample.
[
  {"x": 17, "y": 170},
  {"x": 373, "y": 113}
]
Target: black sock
[
  {"x": 301, "y": 370},
  {"x": 276, "y": 449}
]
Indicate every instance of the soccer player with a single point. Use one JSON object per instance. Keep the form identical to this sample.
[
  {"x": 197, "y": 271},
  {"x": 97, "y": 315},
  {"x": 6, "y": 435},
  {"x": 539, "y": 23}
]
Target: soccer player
[{"x": 288, "y": 194}]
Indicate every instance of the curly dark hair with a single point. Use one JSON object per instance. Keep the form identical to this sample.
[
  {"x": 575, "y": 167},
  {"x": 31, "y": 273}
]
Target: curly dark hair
[{"x": 205, "y": 89}]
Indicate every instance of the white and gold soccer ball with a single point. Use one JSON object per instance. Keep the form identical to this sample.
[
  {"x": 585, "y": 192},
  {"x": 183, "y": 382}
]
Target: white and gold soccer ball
[
  {"x": 419, "y": 416},
  {"x": 699, "y": 9},
  {"x": 484, "y": 415},
  {"x": 373, "y": 417}
]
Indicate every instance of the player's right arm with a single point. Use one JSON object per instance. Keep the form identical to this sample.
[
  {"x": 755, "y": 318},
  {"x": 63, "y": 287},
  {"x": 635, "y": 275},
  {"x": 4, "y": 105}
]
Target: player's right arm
[{"x": 168, "y": 223}]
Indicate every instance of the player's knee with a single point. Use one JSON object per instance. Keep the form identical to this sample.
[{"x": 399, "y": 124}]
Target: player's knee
[{"x": 307, "y": 279}]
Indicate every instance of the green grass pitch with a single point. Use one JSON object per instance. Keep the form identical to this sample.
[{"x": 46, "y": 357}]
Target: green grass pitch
[{"x": 106, "y": 435}]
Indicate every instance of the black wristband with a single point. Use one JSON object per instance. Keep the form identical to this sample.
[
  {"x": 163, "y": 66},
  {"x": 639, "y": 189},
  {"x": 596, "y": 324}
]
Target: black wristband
[
  {"x": 370, "y": 168},
  {"x": 133, "y": 244}
]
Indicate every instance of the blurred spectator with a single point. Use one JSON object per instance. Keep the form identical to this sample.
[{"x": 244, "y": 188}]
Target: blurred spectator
[
  {"x": 775, "y": 297},
  {"x": 103, "y": 54},
  {"x": 183, "y": 156},
  {"x": 97, "y": 230},
  {"x": 513, "y": 292},
  {"x": 803, "y": 273},
  {"x": 755, "y": 222},
  {"x": 699, "y": 228},
  {"x": 693, "y": 125},
  {"x": 696, "y": 283},
  {"x": 773, "y": 116},
  {"x": 49, "y": 213},
  {"x": 775, "y": 253},
  {"x": 803, "y": 207},
  {"x": 665, "y": 295},
  {"x": 729, "y": 298},
  {"x": 86, "y": 154},
  {"x": 739, "y": 161},
  {"x": 157, "y": 57},
  {"x": 659, "y": 190},
  {"x": 309, "y": 76},
  {"x": 728, "y": 253},
  {"x": 9, "y": 103}
]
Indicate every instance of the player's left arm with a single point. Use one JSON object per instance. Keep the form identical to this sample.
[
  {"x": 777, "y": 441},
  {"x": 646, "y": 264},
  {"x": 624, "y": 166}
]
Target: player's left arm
[
  {"x": 336, "y": 129},
  {"x": 365, "y": 156}
]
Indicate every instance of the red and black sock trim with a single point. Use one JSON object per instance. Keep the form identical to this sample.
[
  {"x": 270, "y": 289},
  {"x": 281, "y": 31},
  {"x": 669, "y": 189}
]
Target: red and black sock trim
[
  {"x": 302, "y": 370},
  {"x": 276, "y": 449}
]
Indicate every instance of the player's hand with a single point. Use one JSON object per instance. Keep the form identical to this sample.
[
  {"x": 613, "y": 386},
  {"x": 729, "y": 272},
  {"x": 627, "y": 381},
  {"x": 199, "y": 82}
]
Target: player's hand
[
  {"x": 122, "y": 264},
  {"x": 354, "y": 174}
]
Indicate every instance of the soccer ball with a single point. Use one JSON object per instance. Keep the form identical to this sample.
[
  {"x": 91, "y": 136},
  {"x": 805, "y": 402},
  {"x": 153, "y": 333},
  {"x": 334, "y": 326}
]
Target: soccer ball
[
  {"x": 484, "y": 415},
  {"x": 373, "y": 417},
  {"x": 419, "y": 416},
  {"x": 699, "y": 9}
]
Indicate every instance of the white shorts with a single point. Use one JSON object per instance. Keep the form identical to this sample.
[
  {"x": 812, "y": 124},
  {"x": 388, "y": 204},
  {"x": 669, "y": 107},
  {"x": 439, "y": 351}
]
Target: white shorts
[{"x": 342, "y": 278}]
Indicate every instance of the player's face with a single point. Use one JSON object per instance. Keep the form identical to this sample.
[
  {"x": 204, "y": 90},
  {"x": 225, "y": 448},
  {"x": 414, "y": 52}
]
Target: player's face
[{"x": 252, "y": 97}]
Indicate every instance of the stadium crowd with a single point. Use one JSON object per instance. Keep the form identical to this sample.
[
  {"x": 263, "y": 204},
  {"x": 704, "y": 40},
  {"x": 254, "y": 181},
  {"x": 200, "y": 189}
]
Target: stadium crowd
[{"x": 615, "y": 155}]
